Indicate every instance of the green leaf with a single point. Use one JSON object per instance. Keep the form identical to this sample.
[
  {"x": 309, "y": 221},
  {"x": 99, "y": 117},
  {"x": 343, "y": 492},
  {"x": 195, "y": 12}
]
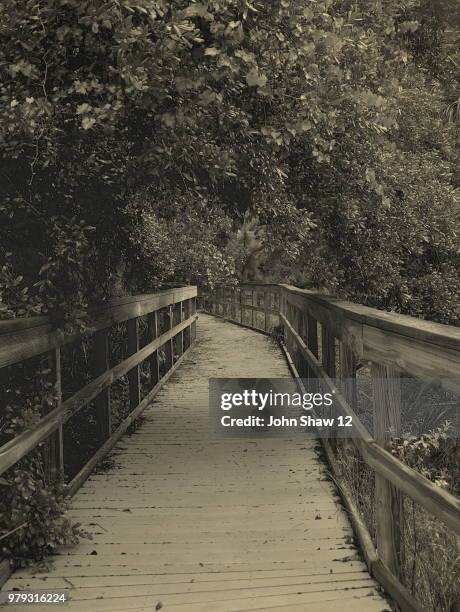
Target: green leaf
[
  {"x": 212, "y": 51},
  {"x": 255, "y": 79}
]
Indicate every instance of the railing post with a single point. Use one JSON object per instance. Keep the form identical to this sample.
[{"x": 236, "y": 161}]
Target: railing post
[
  {"x": 312, "y": 335},
  {"x": 328, "y": 351},
  {"x": 295, "y": 322},
  {"x": 348, "y": 366},
  {"x": 252, "y": 309},
  {"x": 303, "y": 372},
  {"x": 277, "y": 303},
  {"x": 192, "y": 311},
  {"x": 154, "y": 361},
  {"x": 103, "y": 415},
  {"x": 134, "y": 374},
  {"x": 266, "y": 306},
  {"x": 328, "y": 362},
  {"x": 181, "y": 339},
  {"x": 241, "y": 296},
  {"x": 54, "y": 449},
  {"x": 169, "y": 346},
  {"x": 388, "y": 501}
]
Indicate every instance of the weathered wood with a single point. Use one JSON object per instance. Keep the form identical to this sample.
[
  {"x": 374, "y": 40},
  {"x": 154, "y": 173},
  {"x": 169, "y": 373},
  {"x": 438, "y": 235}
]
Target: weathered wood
[
  {"x": 266, "y": 309},
  {"x": 24, "y": 338},
  {"x": 154, "y": 361},
  {"x": 26, "y": 441},
  {"x": 312, "y": 334},
  {"x": 328, "y": 351},
  {"x": 302, "y": 331},
  {"x": 445, "y": 336},
  {"x": 54, "y": 448},
  {"x": 169, "y": 345},
  {"x": 181, "y": 334},
  {"x": 254, "y": 307},
  {"x": 420, "y": 348},
  {"x": 102, "y": 411},
  {"x": 388, "y": 502},
  {"x": 134, "y": 374},
  {"x": 437, "y": 501},
  {"x": 348, "y": 366}
]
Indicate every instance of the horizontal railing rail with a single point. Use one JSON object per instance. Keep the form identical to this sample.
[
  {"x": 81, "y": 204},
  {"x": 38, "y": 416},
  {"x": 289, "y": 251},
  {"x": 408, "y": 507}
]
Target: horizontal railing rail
[
  {"x": 22, "y": 339},
  {"x": 314, "y": 328}
]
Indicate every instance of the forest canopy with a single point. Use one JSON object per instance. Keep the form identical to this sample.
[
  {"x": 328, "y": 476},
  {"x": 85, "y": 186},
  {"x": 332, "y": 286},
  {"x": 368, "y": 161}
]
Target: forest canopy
[{"x": 138, "y": 136}]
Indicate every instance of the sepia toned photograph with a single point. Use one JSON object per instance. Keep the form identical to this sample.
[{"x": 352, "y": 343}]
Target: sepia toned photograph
[{"x": 230, "y": 305}]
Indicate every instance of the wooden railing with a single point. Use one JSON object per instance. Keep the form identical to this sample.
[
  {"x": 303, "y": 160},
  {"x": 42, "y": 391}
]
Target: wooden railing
[
  {"x": 21, "y": 339},
  {"x": 315, "y": 330}
]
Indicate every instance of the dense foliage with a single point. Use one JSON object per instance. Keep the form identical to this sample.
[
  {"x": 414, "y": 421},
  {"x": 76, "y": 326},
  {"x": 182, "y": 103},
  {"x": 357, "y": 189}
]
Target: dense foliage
[{"x": 133, "y": 131}]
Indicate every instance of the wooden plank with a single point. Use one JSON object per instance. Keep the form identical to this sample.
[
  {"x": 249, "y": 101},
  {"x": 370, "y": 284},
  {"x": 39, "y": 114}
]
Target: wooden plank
[
  {"x": 169, "y": 346},
  {"x": 134, "y": 375},
  {"x": 348, "y": 367},
  {"x": 413, "y": 356},
  {"x": 54, "y": 448},
  {"x": 388, "y": 502},
  {"x": 266, "y": 309},
  {"x": 312, "y": 335},
  {"x": 420, "y": 348},
  {"x": 328, "y": 351},
  {"x": 445, "y": 336},
  {"x": 25, "y": 338},
  {"x": 154, "y": 361},
  {"x": 103, "y": 415},
  {"x": 204, "y": 580},
  {"x": 229, "y": 601},
  {"x": 181, "y": 334},
  {"x": 227, "y": 590}
]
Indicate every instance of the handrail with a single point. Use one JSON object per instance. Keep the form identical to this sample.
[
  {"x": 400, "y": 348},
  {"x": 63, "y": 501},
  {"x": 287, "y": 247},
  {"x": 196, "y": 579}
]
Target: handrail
[
  {"x": 394, "y": 344},
  {"x": 417, "y": 329},
  {"x": 26, "y": 337},
  {"x": 21, "y": 339},
  {"x": 420, "y": 348}
]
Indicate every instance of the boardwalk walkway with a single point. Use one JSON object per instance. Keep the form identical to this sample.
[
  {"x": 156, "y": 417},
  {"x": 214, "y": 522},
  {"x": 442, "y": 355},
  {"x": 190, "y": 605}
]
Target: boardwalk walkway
[{"x": 186, "y": 521}]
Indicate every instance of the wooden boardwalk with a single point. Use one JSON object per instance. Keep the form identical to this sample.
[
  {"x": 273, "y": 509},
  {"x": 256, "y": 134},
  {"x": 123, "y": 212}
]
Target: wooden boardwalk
[{"x": 187, "y": 521}]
